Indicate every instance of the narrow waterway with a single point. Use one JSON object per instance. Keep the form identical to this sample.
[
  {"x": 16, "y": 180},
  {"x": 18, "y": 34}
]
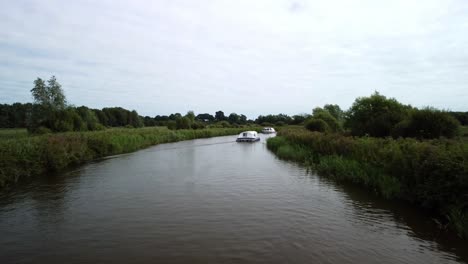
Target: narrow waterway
[{"x": 210, "y": 201}]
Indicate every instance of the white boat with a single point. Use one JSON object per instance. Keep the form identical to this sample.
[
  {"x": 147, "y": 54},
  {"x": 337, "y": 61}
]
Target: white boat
[
  {"x": 268, "y": 130},
  {"x": 248, "y": 136}
]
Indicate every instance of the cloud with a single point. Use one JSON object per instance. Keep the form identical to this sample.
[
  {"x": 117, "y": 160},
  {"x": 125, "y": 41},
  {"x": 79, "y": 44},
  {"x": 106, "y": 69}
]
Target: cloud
[{"x": 251, "y": 57}]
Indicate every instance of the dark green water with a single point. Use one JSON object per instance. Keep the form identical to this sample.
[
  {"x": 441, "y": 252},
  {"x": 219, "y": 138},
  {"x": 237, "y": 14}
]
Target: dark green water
[{"x": 210, "y": 201}]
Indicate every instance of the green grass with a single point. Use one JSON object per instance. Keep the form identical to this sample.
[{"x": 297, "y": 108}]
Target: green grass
[
  {"x": 12, "y": 133},
  {"x": 24, "y": 156},
  {"x": 432, "y": 174},
  {"x": 464, "y": 132}
]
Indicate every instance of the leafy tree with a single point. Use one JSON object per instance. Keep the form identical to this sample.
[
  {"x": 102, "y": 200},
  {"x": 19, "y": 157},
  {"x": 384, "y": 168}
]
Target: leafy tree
[
  {"x": 174, "y": 116},
  {"x": 219, "y": 116},
  {"x": 183, "y": 123},
  {"x": 375, "y": 115},
  {"x": 56, "y": 94},
  {"x": 325, "y": 115},
  {"x": 50, "y": 95},
  {"x": 205, "y": 117},
  {"x": 234, "y": 118},
  {"x": 191, "y": 116},
  {"x": 315, "y": 124},
  {"x": 299, "y": 119},
  {"x": 335, "y": 111},
  {"x": 427, "y": 123},
  {"x": 242, "y": 119},
  {"x": 273, "y": 119}
]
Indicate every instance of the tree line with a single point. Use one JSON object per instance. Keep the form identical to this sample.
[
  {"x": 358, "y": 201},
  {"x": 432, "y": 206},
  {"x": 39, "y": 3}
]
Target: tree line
[
  {"x": 50, "y": 112},
  {"x": 379, "y": 116},
  {"x": 375, "y": 116}
]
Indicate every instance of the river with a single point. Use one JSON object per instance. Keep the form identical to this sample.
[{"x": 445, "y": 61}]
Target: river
[{"x": 210, "y": 201}]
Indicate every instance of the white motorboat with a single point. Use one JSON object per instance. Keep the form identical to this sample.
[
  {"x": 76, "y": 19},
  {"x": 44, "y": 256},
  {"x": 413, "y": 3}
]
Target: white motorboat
[
  {"x": 268, "y": 130},
  {"x": 248, "y": 136}
]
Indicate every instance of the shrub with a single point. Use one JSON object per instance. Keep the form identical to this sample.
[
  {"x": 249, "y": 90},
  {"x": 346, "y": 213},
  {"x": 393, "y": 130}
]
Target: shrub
[
  {"x": 375, "y": 115},
  {"x": 428, "y": 123},
  {"x": 332, "y": 122},
  {"x": 318, "y": 125},
  {"x": 280, "y": 123}
]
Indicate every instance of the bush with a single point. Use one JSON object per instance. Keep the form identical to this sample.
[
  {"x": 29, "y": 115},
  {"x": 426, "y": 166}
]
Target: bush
[
  {"x": 280, "y": 123},
  {"x": 375, "y": 115},
  {"x": 171, "y": 124},
  {"x": 428, "y": 123},
  {"x": 318, "y": 125},
  {"x": 332, "y": 122},
  {"x": 42, "y": 130}
]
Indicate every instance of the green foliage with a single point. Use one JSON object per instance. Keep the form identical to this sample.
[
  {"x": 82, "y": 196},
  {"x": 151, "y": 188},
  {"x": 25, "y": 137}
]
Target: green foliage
[
  {"x": 273, "y": 119},
  {"x": 183, "y": 123},
  {"x": 12, "y": 133},
  {"x": 50, "y": 95},
  {"x": 219, "y": 116},
  {"x": 332, "y": 123},
  {"x": 335, "y": 111},
  {"x": 30, "y": 156},
  {"x": 234, "y": 118},
  {"x": 191, "y": 116},
  {"x": 299, "y": 119},
  {"x": 315, "y": 124},
  {"x": 375, "y": 115},
  {"x": 205, "y": 117},
  {"x": 172, "y": 125},
  {"x": 427, "y": 123},
  {"x": 431, "y": 173},
  {"x": 15, "y": 115},
  {"x": 462, "y": 117}
]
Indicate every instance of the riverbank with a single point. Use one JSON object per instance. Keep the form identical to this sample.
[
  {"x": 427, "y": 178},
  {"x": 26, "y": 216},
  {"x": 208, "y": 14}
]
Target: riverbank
[
  {"x": 31, "y": 156},
  {"x": 432, "y": 174}
]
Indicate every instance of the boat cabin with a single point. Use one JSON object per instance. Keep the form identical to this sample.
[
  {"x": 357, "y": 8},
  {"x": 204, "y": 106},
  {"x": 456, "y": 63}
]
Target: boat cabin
[
  {"x": 248, "y": 136},
  {"x": 268, "y": 130}
]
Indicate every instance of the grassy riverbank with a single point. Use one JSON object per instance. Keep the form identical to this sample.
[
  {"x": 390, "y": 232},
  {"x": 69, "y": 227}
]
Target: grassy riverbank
[
  {"x": 27, "y": 156},
  {"x": 430, "y": 173}
]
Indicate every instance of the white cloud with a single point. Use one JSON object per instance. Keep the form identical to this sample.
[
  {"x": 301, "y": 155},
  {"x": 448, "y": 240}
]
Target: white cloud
[{"x": 251, "y": 57}]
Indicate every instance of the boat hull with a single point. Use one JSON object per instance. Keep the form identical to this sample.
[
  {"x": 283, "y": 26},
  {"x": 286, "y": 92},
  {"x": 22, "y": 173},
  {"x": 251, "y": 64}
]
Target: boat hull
[{"x": 247, "y": 139}]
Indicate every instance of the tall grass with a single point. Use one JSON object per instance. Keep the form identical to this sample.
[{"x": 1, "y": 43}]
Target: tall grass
[
  {"x": 430, "y": 173},
  {"x": 11, "y": 133},
  {"x": 31, "y": 156}
]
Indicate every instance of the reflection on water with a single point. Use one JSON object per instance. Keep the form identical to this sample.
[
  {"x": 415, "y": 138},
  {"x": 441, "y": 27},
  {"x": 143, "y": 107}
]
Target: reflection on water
[{"x": 210, "y": 201}]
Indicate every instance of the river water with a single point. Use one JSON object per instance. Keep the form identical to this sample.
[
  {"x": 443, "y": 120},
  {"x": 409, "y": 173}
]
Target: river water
[{"x": 210, "y": 201}]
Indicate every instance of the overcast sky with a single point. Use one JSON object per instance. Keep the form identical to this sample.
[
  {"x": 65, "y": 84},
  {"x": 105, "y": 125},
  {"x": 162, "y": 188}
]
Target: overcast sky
[{"x": 251, "y": 57}]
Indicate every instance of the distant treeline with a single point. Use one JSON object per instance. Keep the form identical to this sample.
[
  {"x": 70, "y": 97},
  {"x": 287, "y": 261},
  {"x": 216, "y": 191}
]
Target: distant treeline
[
  {"x": 373, "y": 116},
  {"x": 82, "y": 118},
  {"x": 379, "y": 116}
]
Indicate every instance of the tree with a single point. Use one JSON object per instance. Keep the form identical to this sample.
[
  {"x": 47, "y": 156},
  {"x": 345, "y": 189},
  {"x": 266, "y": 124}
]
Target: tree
[
  {"x": 233, "y": 118},
  {"x": 335, "y": 111},
  {"x": 328, "y": 118},
  {"x": 315, "y": 124},
  {"x": 56, "y": 94},
  {"x": 205, "y": 117},
  {"x": 299, "y": 119},
  {"x": 219, "y": 116},
  {"x": 183, "y": 123},
  {"x": 242, "y": 119},
  {"x": 50, "y": 95},
  {"x": 375, "y": 115},
  {"x": 191, "y": 115},
  {"x": 427, "y": 123}
]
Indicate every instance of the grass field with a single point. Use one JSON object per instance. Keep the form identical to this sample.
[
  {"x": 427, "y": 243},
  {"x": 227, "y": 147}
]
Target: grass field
[
  {"x": 464, "y": 132},
  {"x": 12, "y": 133}
]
